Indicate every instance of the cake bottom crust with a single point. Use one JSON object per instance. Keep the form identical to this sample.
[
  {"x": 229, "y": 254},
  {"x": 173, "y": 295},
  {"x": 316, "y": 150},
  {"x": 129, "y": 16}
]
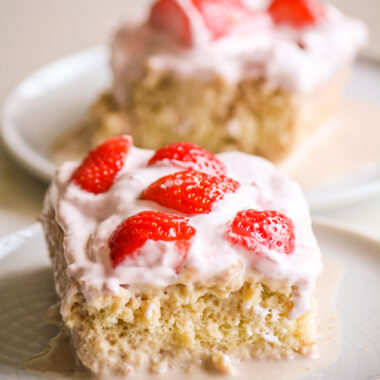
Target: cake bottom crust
[{"x": 180, "y": 326}]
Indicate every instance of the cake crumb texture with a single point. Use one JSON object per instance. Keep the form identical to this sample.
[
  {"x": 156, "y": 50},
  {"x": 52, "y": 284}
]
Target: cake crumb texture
[{"x": 249, "y": 116}]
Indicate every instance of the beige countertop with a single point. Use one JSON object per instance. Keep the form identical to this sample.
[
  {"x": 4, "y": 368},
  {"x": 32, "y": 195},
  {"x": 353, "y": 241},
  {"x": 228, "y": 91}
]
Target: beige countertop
[{"x": 33, "y": 33}]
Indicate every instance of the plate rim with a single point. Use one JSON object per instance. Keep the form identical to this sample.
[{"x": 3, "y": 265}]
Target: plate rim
[{"x": 15, "y": 145}]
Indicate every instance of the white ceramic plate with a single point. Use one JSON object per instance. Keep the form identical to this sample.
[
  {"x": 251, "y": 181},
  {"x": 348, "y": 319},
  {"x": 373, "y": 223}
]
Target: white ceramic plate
[
  {"x": 56, "y": 97},
  {"x": 48, "y": 102},
  {"x": 27, "y": 290}
]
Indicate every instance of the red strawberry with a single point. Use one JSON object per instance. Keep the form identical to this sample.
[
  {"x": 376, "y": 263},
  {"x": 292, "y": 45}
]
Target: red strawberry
[
  {"x": 189, "y": 191},
  {"x": 298, "y": 13},
  {"x": 271, "y": 229},
  {"x": 98, "y": 170},
  {"x": 222, "y": 16},
  {"x": 168, "y": 15},
  {"x": 132, "y": 234},
  {"x": 189, "y": 156}
]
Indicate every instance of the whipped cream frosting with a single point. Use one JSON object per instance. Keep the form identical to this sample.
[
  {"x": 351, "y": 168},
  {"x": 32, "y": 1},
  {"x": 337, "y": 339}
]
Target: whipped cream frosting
[
  {"x": 296, "y": 59},
  {"x": 88, "y": 221}
]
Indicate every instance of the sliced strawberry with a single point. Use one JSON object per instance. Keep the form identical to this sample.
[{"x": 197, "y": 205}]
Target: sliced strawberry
[
  {"x": 98, "y": 170},
  {"x": 189, "y": 191},
  {"x": 223, "y": 16},
  {"x": 132, "y": 234},
  {"x": 271, "y": 229},
  {"x": 189, "y": 156},
  {"x": 298, "y": 13},
  {"x": 168, "y": 15}
]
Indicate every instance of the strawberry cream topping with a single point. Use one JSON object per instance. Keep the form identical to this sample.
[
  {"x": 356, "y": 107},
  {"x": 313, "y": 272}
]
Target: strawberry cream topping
[
  {"x": 293, "y": 44},
  {"x": 157, "y": 222}
]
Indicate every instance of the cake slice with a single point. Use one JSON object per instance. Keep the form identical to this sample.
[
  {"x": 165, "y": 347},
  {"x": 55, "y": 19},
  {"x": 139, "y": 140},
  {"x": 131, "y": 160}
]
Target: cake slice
[
  {"x": 225, "y": 76},
  {"x": 180, "y": 259}
]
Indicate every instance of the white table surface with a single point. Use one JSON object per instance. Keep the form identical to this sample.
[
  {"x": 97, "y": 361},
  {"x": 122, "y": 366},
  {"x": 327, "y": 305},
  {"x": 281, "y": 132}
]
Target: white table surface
[{"x": 33, "y": 33}]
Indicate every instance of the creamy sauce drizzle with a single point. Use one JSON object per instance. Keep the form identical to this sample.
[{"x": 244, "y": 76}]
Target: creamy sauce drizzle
[{"x": 60, "y": 360}]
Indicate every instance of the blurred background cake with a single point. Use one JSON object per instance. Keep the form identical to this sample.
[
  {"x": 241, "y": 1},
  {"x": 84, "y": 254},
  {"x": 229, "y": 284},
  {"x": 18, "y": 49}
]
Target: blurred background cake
[{"x": 227, "y": 75}]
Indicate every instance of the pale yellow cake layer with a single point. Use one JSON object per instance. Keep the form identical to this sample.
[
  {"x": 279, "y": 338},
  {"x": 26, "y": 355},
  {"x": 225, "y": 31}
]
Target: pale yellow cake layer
[
  {"x": 180, "y": 325},
  {"x": 249, "y": 116}
]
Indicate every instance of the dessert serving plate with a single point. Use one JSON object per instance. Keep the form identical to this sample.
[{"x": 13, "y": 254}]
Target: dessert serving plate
[
  {"x": 27, "y": 292},
  {"x": 339, "y": 164}
]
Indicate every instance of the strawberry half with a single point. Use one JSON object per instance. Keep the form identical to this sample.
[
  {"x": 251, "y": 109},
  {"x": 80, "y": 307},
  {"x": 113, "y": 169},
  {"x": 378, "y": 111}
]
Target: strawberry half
[
  {"x": 223, "y": 16},
  {"x": 169, "y": 16},
  {"x": 98, "y": 170},
  {"x": 271, "y": 229},
  {"x": 189, "y": 156},
  {"x": 132, "y": 234},
  {"x": 189, "y": 191},
  {"x": 298, "y": 13}
]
